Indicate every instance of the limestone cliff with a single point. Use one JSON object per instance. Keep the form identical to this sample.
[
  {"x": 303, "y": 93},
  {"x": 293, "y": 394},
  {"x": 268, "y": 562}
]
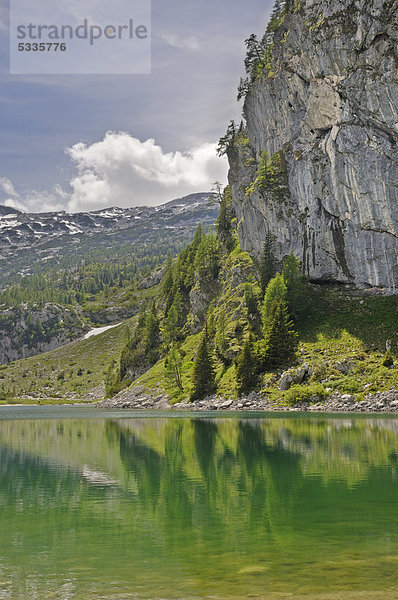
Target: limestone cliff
[
  {"x": 327, "y": 107},
  {"x": 29, "y": 330}
]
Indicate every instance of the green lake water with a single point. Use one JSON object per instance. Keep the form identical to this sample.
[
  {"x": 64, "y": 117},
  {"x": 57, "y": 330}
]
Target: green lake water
[{"x": 112, "y": 505}]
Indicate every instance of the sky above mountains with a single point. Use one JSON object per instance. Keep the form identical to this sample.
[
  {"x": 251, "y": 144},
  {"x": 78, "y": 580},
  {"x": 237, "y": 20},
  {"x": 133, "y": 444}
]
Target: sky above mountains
[{"x": 82, "y": 142}]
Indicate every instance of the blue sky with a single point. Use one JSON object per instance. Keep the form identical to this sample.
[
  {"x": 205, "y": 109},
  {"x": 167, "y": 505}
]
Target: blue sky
[{"x": 184, "y": 106}]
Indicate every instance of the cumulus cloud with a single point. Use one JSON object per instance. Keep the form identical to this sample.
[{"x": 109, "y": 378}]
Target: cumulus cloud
[
  {"x": 34, "y": 201},
  {"x": 7, "y": 187},
  {"x": 121, "y": 170}
]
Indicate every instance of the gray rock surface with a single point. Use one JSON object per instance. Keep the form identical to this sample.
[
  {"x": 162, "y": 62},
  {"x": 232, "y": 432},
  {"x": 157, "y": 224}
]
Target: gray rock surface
[
  {"x": 60, "y": 325},
  {"x": 138, "y": 397},
  {"x": 292, "y": 377},
  {"x": 330, "y": 106}
]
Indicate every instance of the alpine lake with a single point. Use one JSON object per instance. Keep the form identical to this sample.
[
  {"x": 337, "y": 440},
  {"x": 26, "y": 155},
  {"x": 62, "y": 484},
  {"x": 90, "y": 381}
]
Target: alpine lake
[{"x": 120, "y": 505}]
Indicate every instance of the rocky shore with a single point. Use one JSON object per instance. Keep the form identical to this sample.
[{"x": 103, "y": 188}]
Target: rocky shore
[{"x": 140, "y": 398}]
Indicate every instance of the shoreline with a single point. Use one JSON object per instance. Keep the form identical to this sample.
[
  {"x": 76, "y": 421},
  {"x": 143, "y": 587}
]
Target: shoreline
[{"x": 137, "y": 398}]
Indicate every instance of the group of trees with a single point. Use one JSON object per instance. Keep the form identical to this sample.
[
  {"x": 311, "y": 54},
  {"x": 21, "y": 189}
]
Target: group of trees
[
  {"x": 276, "y": 345},
  {"x": 258, "y": 51},
  {"x": 266, "y": 336},
  {"x": 163, "y": 325},
  {"x": 283, "y": 293},
  {"x": 100, "y": 274}
]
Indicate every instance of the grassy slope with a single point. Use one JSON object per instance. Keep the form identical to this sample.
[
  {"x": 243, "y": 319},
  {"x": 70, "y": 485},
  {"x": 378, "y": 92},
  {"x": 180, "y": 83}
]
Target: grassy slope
[
  {"x": 68, "y": 372},
  {"x": 338, "y": 325}
]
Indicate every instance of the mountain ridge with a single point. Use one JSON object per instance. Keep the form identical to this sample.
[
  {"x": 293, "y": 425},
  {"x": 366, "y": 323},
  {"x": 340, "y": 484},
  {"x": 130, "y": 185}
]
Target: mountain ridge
[{"x": 33, "y": 242}]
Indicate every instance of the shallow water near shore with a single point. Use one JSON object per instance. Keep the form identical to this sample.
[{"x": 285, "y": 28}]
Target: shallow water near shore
[{"x": 110, "y": 505}]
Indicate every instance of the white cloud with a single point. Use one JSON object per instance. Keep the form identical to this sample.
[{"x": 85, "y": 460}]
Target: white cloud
[
  {"x": 176, "y": 41},
  {"x": 7, "y": 187},
  {"x": 40, "y": 201},
  {"x": 121, "y": 170}
]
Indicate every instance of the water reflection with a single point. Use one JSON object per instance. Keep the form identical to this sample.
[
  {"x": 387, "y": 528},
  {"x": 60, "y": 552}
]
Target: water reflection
[{"x": 175, "y": 508}]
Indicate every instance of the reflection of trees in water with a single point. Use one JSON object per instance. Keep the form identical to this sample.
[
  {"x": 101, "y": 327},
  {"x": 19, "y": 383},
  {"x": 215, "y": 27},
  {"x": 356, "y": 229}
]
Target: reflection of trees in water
[
  {"x": 246, "y": 481},
  {"x": 202, "y": 485},
  {"x": 33, "y": 481},
  {"x": 144, "y": 463},
  {"x": 275, "y": 478},
  {"x": 222, "y": 490},
  {"x": 337, "y": 449},
  {"x": 205, "y": 433}
]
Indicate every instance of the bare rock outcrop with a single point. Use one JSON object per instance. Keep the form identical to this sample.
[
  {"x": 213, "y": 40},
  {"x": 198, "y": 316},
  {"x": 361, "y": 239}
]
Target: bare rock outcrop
[{"x": 328, "y": 105}]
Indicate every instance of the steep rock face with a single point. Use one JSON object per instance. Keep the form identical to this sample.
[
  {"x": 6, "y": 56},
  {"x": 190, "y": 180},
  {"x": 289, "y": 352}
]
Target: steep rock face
[
  {"x": 329, "y": 106},
  {"x": 28, "y": 331}
]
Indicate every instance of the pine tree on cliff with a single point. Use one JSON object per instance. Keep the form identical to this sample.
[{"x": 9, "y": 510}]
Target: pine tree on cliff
[
  {"x": 268, "y": 266},
  {"x": 203, "y": 378},
  {"x": 246, "y": 367},
  {"x": 280, "y": 340},
  {"x": 224, "y": 220}
]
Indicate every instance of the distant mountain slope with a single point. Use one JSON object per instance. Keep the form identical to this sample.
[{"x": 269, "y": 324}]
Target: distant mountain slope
[{"x": 30, "y": 242}]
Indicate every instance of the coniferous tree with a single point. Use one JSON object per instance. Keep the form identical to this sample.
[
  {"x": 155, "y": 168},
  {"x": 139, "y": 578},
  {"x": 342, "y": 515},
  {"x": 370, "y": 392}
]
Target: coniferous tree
[
  {"x": 251, "y": 302},
  {"x": 216, "y": 191},
  {"x": 203, "y": 378},
  {"x": 280, "y": 340},
  {"x": 224, "y": 220},
  {"x": 276, "y": 292},
  {"x": 168, "y": 281},
  {"x": 174, "y": 319},
  {"x": 207, "y": 259},
  {"x": 254, "y": 54},
  {"x": 173, "y": 365},
  {"x": 227, "y": 140},
  {"x": 112, "y": 380},
  {"x": 268, "y": 263},
  {"x": 246, "y": 368},
  {"x": 170, "y": 331},
  {"x": 221, "y": 338},
  {"x": 152, "y": 335},
  {"x": 243, "y": 88},
  {"x": 295, "y": 283}
]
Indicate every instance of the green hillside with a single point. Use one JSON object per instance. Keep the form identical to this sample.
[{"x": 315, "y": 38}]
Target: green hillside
[
  {"x": 248, "y": 321},
  {"x": 67, "y": 373}
]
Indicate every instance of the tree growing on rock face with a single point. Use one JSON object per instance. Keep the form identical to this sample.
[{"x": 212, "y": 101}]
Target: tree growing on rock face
[
  {"x": 224, "y": 221},
  {"x": 227, "y": 140},
  {"x": 268, "y": 264},
  {"x": 203, "y": 378}
]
